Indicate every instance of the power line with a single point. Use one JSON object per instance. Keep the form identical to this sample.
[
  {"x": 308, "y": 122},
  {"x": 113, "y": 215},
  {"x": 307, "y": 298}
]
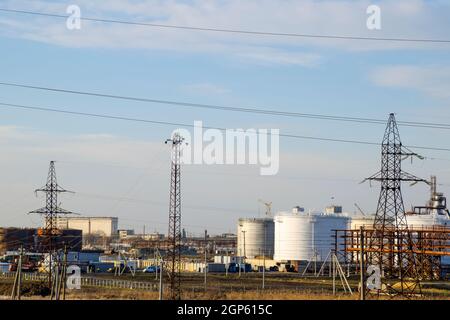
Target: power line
[
  {"x": 233, "y": 109},
  {"x": 233, "y": 31},
  {"x": 159, "y": 203},
  {"x": 177, "y": 124}
]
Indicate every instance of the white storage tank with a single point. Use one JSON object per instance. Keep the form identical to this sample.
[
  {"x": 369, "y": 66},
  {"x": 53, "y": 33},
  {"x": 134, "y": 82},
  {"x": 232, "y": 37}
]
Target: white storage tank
[
  {"x": 301, "y": 236},
  {"x": 358, "y": 221},
  {"x": 427, "y": 220},
  {"x": 418, "y": 221},
  {"x": 251, "y": 233}
]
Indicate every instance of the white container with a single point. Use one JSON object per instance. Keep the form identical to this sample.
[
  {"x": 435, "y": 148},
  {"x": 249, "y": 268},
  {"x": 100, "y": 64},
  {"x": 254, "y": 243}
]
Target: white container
[
  {"x": 358, "y": 221},
  {"x": 306, "y": 236},
  {"x": 417, "y": 221},
  {"x": 251, "y": 234}
]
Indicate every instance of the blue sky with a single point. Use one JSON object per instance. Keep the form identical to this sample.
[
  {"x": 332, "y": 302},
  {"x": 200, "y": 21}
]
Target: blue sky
[{"x": 119, "y": 159}]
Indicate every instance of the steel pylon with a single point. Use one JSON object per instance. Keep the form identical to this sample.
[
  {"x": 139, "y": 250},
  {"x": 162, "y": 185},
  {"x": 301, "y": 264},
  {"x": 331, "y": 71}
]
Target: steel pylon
[
  {"x": 174, "y": 235},
  {"x": 51, "y": 211},
  {"x": 391, "y": 243}
]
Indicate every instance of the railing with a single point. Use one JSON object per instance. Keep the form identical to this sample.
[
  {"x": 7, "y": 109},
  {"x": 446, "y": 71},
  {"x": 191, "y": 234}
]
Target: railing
[
  {"x": 25, "y": 276},
  {"x": 117, "y": 283},
  {"x": 91, "y": 281}
]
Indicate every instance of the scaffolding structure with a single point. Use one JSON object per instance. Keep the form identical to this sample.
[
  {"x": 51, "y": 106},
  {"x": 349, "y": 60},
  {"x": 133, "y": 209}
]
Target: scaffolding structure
[{"x": 429, "y": 246}]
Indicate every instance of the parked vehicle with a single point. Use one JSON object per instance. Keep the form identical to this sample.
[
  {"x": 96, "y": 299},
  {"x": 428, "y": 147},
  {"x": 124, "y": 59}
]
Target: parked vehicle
[
  {"x": 123, "y": 268},
  {"x": 234, "y": 268},
  {"x": 151, "y": 269},
  {"x": 26, "y": 266},
  {"x": 274, "y": 269}
]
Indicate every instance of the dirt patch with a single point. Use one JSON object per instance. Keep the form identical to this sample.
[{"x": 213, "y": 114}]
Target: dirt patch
[{"x": 27, "y": 289}]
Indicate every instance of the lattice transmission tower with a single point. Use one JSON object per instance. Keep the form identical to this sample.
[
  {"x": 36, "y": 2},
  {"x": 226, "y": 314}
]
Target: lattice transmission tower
[
  {"x": 51, "y": 211},
  {"x": 390, "y": 244},
  {"x": 174, "y": 236}
]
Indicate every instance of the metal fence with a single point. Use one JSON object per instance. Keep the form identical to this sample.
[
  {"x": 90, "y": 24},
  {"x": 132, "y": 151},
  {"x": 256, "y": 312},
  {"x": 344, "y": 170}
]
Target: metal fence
[
  {"x": 25, "y": 276},
  {"x": 117, "y": 283},
  {"x": 91, "y": 281}
]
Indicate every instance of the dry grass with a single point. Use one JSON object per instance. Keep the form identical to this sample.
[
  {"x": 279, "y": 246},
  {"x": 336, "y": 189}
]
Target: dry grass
[
  {"x": 126, "y": 294},
  {"x": 278, "y": 287}
]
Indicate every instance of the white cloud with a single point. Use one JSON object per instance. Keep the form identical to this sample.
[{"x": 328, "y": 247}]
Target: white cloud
[
  {"x": 402, "y": 18},
  {"x": 430, "y": 80}
]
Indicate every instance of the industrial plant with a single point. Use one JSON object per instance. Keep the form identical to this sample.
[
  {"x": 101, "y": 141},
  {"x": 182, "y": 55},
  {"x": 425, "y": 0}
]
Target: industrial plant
[
  {"x": 404, "y": 248},
  {"x": 251, "y": 153}
]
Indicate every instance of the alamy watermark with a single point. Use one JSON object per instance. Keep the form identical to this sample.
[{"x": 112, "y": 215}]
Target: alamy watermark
[
  {"x": 231, "y": 147},
  {"x": 374, "y": 20},
  {"x": 374, "y": 280},
  {"x": 73, "y": 281},
  {"x": 73, "y": 22}
]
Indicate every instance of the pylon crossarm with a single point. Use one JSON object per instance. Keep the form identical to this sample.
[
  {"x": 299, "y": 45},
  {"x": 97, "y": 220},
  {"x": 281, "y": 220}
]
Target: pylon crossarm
[
  {"x": 375, "y": 177},
  {"x": 39, "y": 211},
  {"x": 405, "y": 176},
  {"x": 409, "y": 153}
]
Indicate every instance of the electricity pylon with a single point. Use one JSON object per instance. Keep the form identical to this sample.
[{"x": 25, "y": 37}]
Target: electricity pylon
[
  {"x": 391, "y": 245},
  {"x": 51, "y": 211},
  {"x": 174, "y": 236}
]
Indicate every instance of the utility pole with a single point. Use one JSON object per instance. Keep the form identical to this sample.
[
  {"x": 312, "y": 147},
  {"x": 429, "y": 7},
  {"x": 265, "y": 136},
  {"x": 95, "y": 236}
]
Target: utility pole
[
  {"x": 19, "y": 283},
  {"x": 54, "y": 292},
  {"x": 245, "y": 253},
  {"x": 264, "y": 259},
  {"x": 206, "y": 256},
  {"x": 156, "y": 263},
  {"x": 160, "y": 279},
  {"x": 362, "y": 268},
  {"x": 51, "y": 211},
  {"x": 243, "y": 234},
  {"x": 64, "y": 282},
  {"x": 174, "y": 236},
  {"x": 268, "y": 206},
  {"x": 334, "y": 273},
  {"x": 16, "y": 292}
]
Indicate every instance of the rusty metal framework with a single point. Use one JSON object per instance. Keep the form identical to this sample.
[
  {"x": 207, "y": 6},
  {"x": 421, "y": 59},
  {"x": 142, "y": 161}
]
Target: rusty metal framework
[
  {"x": 51, "y": 211},
  {"x": 429, "y": 246},
  {"x": 390, "y": 242},
  {"x": 174, "y": 235}
]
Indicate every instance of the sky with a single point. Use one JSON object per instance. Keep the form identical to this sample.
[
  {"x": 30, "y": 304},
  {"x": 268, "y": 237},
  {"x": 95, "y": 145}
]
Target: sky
[{"x": 119, "y": 168}]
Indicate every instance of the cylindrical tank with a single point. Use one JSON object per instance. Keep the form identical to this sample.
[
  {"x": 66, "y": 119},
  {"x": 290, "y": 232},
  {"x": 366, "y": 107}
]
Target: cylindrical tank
[
  {"x": 427, "y": 220},
  {"x": 418, "y": 221},
  {"x": 430, "y": 220},
  {"x": 251, "y": 233},
  {"x": 301, "y": 236},
  {"x": 358, "y": 221}
]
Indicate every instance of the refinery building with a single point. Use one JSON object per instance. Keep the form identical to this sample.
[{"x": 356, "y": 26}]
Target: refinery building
[{"x": 298, "y": 236}]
